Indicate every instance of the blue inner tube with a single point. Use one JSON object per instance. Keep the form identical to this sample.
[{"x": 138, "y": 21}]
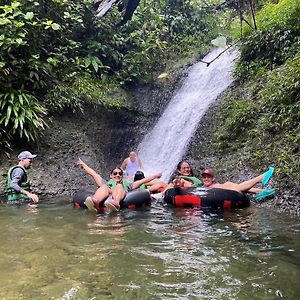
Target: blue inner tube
[
  {"x": 133, "y": 199},
  {"x": 206, "y": 197}
]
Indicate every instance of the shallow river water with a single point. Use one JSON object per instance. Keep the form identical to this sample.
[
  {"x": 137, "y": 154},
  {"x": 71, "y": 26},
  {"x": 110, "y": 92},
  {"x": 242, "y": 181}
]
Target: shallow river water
[{"x": 54, "y": 251}]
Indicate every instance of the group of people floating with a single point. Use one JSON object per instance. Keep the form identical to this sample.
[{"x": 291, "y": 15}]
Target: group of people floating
[{"x": 129, "y": 177}]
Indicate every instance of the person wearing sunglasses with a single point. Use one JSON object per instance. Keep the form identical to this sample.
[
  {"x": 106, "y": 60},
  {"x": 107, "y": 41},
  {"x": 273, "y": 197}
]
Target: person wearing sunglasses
[{"x": 110, "y": 192}]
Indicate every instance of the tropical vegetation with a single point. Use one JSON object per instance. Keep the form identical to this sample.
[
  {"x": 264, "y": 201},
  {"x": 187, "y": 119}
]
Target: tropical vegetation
[
  {"x": 56, "y": 55},
  {"x": 262, "y": 114}
]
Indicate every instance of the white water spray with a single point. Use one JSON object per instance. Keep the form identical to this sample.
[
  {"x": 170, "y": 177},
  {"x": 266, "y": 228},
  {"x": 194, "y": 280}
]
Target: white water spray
[{"x": 163, "y": 147}]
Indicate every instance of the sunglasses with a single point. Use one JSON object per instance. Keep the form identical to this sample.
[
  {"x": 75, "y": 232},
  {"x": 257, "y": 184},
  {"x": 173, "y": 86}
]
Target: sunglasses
[{"x": 118, "y": 173}]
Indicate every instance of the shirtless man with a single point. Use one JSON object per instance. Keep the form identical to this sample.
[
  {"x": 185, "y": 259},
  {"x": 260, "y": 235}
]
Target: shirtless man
[{"x": 130, "y": 165}]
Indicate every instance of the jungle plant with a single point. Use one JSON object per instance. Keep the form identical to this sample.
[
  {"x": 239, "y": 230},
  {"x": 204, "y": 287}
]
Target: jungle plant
[
  {"x": 81, "y": 90},
  {"x": 277, "y": 38},
  {"x": 21, "y": 115}
]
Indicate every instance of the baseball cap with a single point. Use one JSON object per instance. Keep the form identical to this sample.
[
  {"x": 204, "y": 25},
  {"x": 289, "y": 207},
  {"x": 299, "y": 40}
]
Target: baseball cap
[
  {"x": 25, "y": 155},
  {"x": 209, "y": 172}
]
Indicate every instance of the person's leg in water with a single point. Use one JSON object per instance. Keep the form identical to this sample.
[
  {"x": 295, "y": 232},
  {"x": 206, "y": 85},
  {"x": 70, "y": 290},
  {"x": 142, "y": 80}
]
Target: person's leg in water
[
  {"x": 93, "y": 202},
  {"x": 247, "y": 185},
  {"x": 118, "y": 194}
]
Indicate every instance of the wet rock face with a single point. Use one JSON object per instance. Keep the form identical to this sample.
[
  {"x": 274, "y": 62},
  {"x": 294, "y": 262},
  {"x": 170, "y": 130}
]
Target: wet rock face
[
  {"x": 104, "y": 138},
  {"x": 101, "y": 138}
]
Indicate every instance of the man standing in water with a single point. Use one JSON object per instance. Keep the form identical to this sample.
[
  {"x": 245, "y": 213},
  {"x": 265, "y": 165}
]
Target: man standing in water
[
  {"x": 18, "y": 186},
  {"x": 130, "y": 165}
]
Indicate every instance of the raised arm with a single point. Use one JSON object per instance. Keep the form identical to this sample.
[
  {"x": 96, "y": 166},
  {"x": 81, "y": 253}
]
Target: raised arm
[
  {"x": 97, "y": 178},
  {"x": 138, "y": 183}
]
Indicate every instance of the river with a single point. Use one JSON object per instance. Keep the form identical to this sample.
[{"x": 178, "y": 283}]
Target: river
[{"x": 53, "y": 251}]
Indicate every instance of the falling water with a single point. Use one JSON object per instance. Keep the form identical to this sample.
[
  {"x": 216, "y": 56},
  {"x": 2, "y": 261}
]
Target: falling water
[{"x": 163, "y": 147}]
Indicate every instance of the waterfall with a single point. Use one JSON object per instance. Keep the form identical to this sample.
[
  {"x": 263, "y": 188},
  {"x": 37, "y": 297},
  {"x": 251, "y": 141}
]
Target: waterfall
[{"x": 163, "y": 147}]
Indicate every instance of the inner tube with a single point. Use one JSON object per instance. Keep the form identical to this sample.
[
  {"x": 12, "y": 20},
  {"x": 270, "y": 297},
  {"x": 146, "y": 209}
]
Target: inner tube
[
  {"x": 206, "y": 197},
  {"x": 133, "y": 199}
]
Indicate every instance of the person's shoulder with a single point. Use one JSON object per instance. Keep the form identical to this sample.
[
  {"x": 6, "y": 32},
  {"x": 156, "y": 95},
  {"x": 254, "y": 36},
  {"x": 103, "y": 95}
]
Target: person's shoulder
[
  {"x": 17, "y": 170},
  {"x": 124, "y": 163}
]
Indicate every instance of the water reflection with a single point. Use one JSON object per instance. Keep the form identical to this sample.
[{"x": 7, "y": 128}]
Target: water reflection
[{"x": 111, "y": 224}]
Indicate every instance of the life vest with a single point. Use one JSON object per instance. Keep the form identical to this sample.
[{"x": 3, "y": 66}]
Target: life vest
[
  {"x": 126, "y": 185},
  {"x": 12, "y": 195},
  {"x": 196, "y": 182}
]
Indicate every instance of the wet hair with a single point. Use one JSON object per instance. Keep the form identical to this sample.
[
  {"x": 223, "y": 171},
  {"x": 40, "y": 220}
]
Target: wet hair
[
  {"x": 180, "y": 164},
  {"x": 138, "y": 175},
  {"x": 117, "y": 168}
]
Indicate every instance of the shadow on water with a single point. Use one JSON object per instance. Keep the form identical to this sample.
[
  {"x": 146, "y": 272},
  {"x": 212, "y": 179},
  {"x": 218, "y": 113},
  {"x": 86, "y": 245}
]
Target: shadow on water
[{"x": 53, "y": 251}]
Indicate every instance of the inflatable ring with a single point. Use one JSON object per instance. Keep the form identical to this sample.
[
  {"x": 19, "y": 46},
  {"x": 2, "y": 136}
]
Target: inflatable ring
[
  {"x": 133, "y": 199},
  {"x": 206, "y": 197}
]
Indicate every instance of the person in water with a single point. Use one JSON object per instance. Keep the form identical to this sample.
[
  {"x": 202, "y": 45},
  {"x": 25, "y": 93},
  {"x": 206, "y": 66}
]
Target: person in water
[
  {"x": 149, "y": 183},
  {"x": 113, "y": 192},
  {"x": 208, "y": 178},
  {"x": 18, "y": 185},
  {"x": 130, "y": 165},
  {"x": 185, "y": 179}
]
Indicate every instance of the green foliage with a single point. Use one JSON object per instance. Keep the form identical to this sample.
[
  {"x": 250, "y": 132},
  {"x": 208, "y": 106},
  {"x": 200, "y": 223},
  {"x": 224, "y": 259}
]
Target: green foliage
[
  {"x": 82, "y": 90},
  {"x": 277, "y": 39},
  {"x": 280, "y": 98},
  {"x": 21, "y": 114},
  {"x": 267, "y": 121},
  {"x": 35, "y": 41},
  {"x": 46, "y": 46},
  {"x": 239, "y": 115}
]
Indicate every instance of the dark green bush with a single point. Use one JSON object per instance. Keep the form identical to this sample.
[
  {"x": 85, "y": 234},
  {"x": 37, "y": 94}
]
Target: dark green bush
[
  {"x": 21, "y": 115},
  {"x": 83, "y": 90},
  {"x": 277, "y": 39}
]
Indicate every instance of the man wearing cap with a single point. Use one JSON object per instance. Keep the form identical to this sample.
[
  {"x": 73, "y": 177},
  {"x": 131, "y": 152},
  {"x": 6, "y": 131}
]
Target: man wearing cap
[
  {"x": 18, "y": 186},
  {"x": 208, "y": 178}
]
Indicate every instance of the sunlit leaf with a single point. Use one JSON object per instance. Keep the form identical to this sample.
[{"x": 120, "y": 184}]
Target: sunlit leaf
[
  {"x": 55, "y": 26},
  {"x": 29, "y": 15}
]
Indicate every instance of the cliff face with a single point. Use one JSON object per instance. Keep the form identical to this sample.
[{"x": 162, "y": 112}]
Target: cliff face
[{"x": 100, "y": 137}]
